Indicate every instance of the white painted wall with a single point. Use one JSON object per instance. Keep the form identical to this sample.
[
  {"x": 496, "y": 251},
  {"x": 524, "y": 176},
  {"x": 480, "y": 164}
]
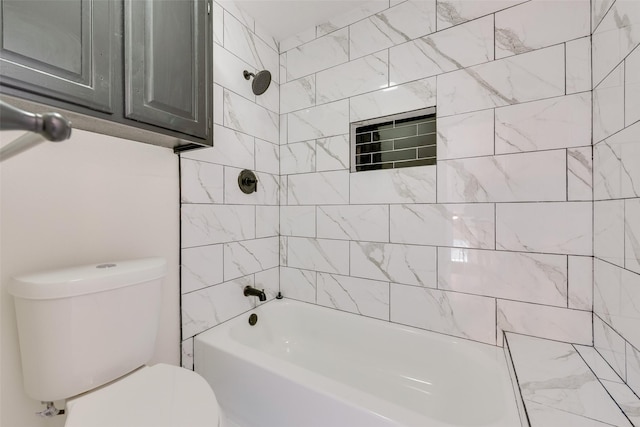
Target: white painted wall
[{"x": 93, "y": 198}]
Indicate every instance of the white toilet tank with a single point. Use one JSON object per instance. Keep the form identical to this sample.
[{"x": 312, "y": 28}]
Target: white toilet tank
[{"x": 82, "y": 327}]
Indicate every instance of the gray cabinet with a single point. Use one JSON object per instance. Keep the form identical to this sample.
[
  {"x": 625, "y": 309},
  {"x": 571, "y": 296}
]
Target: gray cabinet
[{"x": 62, "y": 49}]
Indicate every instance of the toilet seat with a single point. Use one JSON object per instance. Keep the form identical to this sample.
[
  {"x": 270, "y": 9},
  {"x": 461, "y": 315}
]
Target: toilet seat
[{"x": 157, "y": 396}]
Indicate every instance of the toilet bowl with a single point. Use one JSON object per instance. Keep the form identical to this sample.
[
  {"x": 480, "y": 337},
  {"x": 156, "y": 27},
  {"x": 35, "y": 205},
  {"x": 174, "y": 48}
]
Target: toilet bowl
[{"x": 86, "y": 335}]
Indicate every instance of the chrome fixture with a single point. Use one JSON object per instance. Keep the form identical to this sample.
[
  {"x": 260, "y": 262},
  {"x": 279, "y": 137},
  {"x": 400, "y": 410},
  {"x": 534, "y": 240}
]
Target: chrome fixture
[{"x": 250, "y": 291}]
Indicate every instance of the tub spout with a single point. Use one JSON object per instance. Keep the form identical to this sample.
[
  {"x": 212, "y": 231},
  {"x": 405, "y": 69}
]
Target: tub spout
[{"x": 249, "y": 291}]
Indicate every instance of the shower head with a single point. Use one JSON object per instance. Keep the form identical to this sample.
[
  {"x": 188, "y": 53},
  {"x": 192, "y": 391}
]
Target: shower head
[{"x": 261, "y": 81}]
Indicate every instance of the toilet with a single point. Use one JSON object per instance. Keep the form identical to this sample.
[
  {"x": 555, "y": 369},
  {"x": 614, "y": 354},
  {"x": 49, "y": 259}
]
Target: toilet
[{"x": 86, "y": 334}]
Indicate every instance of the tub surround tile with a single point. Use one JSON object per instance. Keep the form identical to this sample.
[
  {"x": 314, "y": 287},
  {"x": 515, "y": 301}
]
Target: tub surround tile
[
  {"x": 267, "y": 157},
  {"x": 396, "y": 25},
  {"x": 352, "y": 16},
  {"x": 296, "y": 40},
  {"x": 608, "y": 292},
  {"x": 544, "y": 125},
  {"x": 208, "y": 224},
  {"x": 407, "y": 264},
  {"x": 538, "y": 24},
  {"x": 284, "y": 251},
  {"x": 451, "y": 313},
  {"x": 555, "y": 323},
  {"x": 617, "y": 165},
  {"x": 332, "y": 153},
  {"x": 250, "y": 256},
  {"x": 298, "y": 94},
  {"x": 201, "y": 267},
  {"x": 633, "y": 368},
  {"x": 558, "y": 387},
  {"x": 408, "y": 185},
  {"x": 299, "y": 221},
  {"x": 578, "y": 65},
  {"x": 365, "y": 74},
  {"x": 458, "y": 225},
  {"x": 298, "y": 284},
  {"x": 507, "y": 178},
  {"x": 329, "y": 256},
  {"x": 626, "y": 400},
  {"x": 610, "y": 345},
  {"x": 599, "y": 9},
  {"x": 267, "y": 221},
  {"x": 211, "y": 306},
  {"x": 458, "y": 47},
  {"x": 269, "y": 281},
  {"x": 247, "y": 117},
  {"x": 537, "y": 278},
  {"x": 366, "y": 222},
  {"x": 328, "y": 188},
  {"x": 455, "y": 12},
  {"x": 318, "y": 122},
  {"x": 524, "y": 420},
  {"x": 609, "y": 231},
  {"x": 232, "y": 148},
  {"x": 284, "y": 129},
  {"x": 394, "y": 100},
  {"x": 266, "y": 194},
  {"x": 608, "y": 105},
  {"x": 632, "y": 235},
  {"x": 218, "y": 23},
  {"x": 227, "y": 68},
  {"x": 361, "y": 296},
  {"x": 284, "y": 188},
  {"x": 580, "y": 282},
  {"x": 632, "y": 88},
  {"x": 527, "y": 77},
  {"x": 271, "y": 98},
  {"x": 186, "y": 357},
  {"x": 201, "y": 182},
  {"x": 243, "y": 17},
  {"x": 218, "y": 105},
  {"x": 580, "y": 174},
  {"x": 598, "y": 365},
  {"x": 298, "y": 158},
  {"x": 562, "y": 228},
  {"x": 319, "y": 54},
  {"x": 466, "y": 135}
]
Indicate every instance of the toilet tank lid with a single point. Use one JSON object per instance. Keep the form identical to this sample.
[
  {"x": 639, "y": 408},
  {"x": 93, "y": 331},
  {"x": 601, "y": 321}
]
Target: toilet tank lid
[{"x": 87, "y": 279}]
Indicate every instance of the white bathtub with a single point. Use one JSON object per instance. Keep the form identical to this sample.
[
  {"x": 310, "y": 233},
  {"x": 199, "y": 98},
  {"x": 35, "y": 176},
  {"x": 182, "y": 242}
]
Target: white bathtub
[{"x": 307, "y": 366}]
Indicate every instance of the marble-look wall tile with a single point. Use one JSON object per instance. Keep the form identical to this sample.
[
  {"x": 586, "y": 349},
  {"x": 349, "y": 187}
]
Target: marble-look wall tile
[
  {"x": 200, "y": 182},
  {"x": 581, "y": 282},
  {"x": 271, "y": 98},
  {"x": 538, "y": 278},
  {"x": 365, "y": 10},
  {"x": 298, "y": 94},
  {"x": 332, "y": 153},
  {"x": 632, "y": 234},
  {"x": 544, "y": 125},
  {"x": 267, "y": 157},
  {"x": 329, "y": 256},
  {"x": 228, "y": 72},
  {"x": 243, "y": 115},
  {"x": 318, "y": 122},
  {"x": 527, "y": 77},
  {"x": 608, "y": 231},
  {"x": 267, "y": 221},
  {"x": 560, "y": 228},
  {"x": 284, "y": 129},
  {"x": 616, "y": 36},
  {"x": 284, "y": 251},
  {"x": 633, "y": 368},
  {"x": 269, "y": 281},
  {"x": 361, "y": 296},
  {"x": 458, "y": 47},
  {"x": 231, "y": 148},
  {"x": 554, "y": 323},
  {"x": 232, "y": 8},
  {"x": 455, "y": 12},
  {"x": 610, "y": 345},
  {"x": 329, "y": 188},
  {"x": 319, "y": 54},
  {"x": 266, "y": 37},
  {"x": 362, "y": 75},
  {"x": 218, "y": 104},
  {"x": 632, "y": 88},
  {"x": 200, "y": 267},
  {"x": 218, "y": 24},
  {"x": 284, "y": 188},
  {"x": 578, "y": 66},
  {"x": 354, "y": 222},
  {"x": 393, "y": 100},
  {"x": 298, "y": 284},
  {"x": 452, "y": 313},
  {"x": 457, "y": 225},
  {"x": 407, "y": 264},
  {"x": 396, "y": 25},
  {"x": 299, "y": 221},
  {"x": 250, "y": 256},
  {"x": 406, "y": 185},
  {"x": 580, "y": 173},
  {"x": 211, "y": 306},
  {"x": 186, "y": 357},
  {"x": 466, "y": 135},
  {"x": 625, "y": 398},
  {"x": 298, "y": 158},
  {"x": 265, "y": 194},
  {"x": 616, "y": 165},
  {"x": 599, "y": 9},
  {"x": 608, "y": 105},
  {"x": 208, "y": 224},
  {"x": 506, "y": 178},
  {"x": 598, "y": 365},
  {"x": 538, "y": 24},
  {"x": 296, "y": 40}
]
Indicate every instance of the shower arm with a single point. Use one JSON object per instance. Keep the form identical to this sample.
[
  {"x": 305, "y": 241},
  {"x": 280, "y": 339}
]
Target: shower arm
[{"x": 41, "y": 127}]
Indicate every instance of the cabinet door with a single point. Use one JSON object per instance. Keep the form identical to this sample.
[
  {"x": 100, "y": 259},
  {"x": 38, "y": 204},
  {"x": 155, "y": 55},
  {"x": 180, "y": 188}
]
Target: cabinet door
[
  {"x": 63, "y": 49},
  {"x": 166, "y": 64}
]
